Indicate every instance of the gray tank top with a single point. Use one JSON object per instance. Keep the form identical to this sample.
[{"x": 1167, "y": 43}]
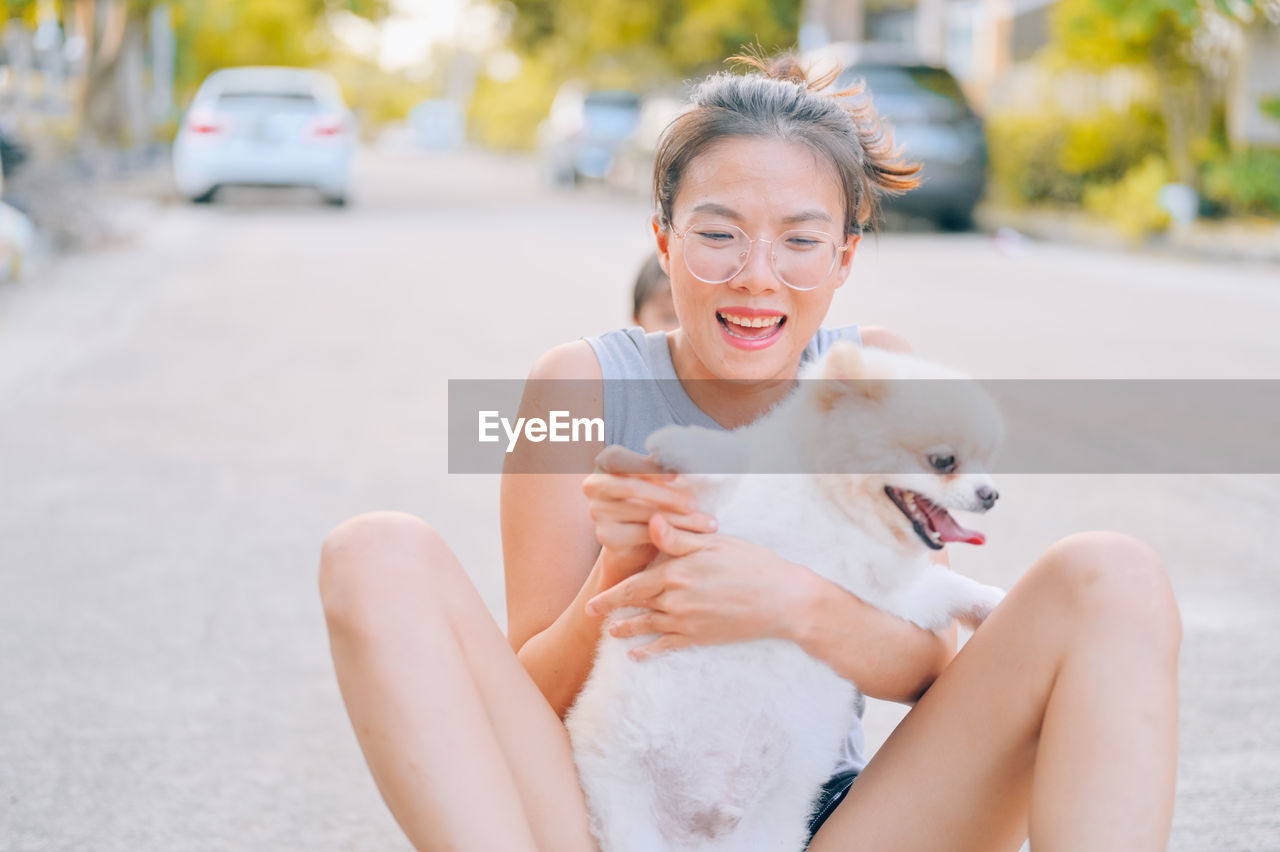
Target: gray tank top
[{"x": 655, "y": 398}]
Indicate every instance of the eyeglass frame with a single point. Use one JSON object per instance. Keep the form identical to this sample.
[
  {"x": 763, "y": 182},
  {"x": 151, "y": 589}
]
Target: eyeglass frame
[{"x": 773, "y": 261}]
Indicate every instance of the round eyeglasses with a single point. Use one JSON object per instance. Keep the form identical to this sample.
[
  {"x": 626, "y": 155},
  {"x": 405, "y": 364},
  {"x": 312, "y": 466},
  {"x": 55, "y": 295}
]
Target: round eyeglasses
[{"x": 716, "y": 253}]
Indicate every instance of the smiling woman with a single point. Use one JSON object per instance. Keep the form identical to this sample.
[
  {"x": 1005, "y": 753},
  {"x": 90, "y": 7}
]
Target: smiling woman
[{"x": 1057, "y": 718}]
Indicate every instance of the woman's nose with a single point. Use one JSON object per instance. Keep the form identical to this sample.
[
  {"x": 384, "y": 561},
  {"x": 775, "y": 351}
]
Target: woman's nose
[{"x": 757, "y": 274}]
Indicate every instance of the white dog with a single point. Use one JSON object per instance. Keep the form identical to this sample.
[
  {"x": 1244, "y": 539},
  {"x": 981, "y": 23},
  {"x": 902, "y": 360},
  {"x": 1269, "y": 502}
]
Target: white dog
[{"x": 723, "y": 748}]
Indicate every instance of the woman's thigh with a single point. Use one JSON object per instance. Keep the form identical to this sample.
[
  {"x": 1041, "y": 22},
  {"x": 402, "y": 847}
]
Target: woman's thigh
[
  {"x": 452, "y": 725},
  {"x": 957, "y": 773}
]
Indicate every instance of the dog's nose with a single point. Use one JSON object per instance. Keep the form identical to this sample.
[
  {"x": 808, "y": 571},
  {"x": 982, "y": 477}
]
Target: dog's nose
[{"x": 988, "y": 496}]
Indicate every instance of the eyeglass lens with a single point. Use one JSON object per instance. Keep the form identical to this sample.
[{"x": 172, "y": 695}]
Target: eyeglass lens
[{"x": 716, "y": 253}]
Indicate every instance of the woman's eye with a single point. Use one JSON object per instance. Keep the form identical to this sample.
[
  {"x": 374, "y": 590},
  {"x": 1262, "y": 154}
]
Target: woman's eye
[
  {"x": 803, "y": 243},
  {"x": 715, "y": 236},
  {"x": 943, "y": 464}
]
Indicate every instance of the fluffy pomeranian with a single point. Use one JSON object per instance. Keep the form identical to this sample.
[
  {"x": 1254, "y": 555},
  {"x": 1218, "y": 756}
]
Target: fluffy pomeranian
[{"x": 724, "y": 748}]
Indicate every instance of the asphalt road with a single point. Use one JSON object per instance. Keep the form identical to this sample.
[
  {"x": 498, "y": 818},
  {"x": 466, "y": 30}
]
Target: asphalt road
[{"x": 184, "y": 416}]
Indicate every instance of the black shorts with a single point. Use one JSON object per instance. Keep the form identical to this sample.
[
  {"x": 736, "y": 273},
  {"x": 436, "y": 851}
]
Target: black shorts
[{"x": 833, "y": 793}]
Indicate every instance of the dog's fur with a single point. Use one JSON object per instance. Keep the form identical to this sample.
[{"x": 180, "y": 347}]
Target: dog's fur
[{"x": 724, "y": 747}]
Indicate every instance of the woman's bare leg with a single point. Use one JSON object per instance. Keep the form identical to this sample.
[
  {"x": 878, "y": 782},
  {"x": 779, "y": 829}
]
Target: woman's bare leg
[
  {"x": 464, "y": 748},
  {"x": 1059, "y": 713}
]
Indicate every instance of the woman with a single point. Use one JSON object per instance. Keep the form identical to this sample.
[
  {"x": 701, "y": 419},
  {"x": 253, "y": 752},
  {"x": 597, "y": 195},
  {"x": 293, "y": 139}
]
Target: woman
[{"x": 1058, "y": 718}]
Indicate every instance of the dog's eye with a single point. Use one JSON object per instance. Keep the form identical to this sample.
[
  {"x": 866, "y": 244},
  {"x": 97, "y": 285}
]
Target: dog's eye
[{"x": 943, "y": 464}]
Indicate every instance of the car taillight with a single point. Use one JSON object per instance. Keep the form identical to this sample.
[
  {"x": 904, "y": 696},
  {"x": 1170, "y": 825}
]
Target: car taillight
[
  {"x": 206, "y": 122},
  {"x": 327, "y": 125}
]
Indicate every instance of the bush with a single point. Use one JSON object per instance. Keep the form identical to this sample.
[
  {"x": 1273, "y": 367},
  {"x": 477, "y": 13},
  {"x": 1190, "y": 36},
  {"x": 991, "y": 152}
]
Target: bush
[
  {"x": 1132, "y": 203},
  {"x": 1245, "y": 182},
  {"x": 1048, "y": 157}
]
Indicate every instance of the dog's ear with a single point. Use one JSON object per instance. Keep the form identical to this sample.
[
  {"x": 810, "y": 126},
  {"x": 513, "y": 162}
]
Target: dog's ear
[
  {"x": 843, "y": 361},
  {"x": 844, "y": 373}
]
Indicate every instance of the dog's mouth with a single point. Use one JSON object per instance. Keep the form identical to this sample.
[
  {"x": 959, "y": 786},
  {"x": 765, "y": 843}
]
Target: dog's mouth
[{"x": 932, "y": 523}]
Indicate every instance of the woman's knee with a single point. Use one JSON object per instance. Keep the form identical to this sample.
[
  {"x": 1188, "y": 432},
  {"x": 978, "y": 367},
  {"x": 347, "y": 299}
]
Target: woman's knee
[
  {"x": 369, "y": 561},
  {"x": 1112, "y": 578}
]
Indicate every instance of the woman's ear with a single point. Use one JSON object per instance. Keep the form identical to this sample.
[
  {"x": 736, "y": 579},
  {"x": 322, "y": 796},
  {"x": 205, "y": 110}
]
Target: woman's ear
[
  {"x": 846, "y": 259},
  {"x": 663, "y": 238}
]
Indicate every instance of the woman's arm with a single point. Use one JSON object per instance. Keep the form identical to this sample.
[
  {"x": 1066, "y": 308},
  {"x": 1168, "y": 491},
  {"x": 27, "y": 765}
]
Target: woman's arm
[
  {"x": 886, "y": 656},
  {"x": 554, "y": 525},
  {"x": 548, "y": 542}
]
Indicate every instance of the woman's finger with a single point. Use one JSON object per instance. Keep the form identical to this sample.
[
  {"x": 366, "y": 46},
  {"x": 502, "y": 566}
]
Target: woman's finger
[
  {"x": 665, "y": 642},
  {"x": 621, "y": 488},
  {"x": 673, "y": 541},
  {"x": 637, "y": 515},
  {"x": 699, "y": 522},
  {"x": 619, "y": 536},
  {"x": 648, "y": 623},
  {"x": 637, "y": 590}
]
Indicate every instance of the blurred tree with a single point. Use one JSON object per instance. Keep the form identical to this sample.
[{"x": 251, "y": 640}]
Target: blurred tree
[
  {"x": 209, "y": 34},
  {"x": 664, "y": 36},
  {"x": 1097, "y": 34},
  {"x": 618, "y": 44},
  {"x": 1167, "y": 36},
  {"x": 21, "y": 9}
]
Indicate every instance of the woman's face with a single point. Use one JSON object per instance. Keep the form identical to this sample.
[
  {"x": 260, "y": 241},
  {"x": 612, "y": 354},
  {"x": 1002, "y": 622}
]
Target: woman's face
[{"x": 764, "y": 187}]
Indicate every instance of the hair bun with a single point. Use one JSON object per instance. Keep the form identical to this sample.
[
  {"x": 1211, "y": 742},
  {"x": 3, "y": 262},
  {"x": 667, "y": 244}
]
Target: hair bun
[{"x": 785, "y": 67}]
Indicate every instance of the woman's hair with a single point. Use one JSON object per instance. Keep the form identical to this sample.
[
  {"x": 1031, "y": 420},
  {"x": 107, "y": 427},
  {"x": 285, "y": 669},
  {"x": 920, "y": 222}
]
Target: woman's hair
[
  {"x": 777, "y": 100},
  {"x": 650, "y": 282}
]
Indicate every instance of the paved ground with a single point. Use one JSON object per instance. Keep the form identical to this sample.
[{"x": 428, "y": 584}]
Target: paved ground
[{"x": 183, "y": 418}]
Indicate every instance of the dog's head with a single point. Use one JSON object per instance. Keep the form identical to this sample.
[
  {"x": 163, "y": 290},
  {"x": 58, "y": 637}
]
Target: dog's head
[{"x": 910, "y": 441}]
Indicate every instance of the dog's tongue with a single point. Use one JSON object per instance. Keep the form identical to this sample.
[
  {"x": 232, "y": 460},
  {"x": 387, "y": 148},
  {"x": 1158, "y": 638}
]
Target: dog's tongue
[{"x": 949, "y": 530}]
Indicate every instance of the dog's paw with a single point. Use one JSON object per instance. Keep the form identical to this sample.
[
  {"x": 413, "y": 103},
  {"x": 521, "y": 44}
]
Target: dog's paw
[
  {"x": 983, "y": 602},
  {"x": 693, "y": 449},
  {"x": 674, "y": 447}
]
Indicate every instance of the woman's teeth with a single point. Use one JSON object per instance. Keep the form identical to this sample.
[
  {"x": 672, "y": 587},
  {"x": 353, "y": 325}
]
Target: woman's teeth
[{"x": 751, "y": 322}]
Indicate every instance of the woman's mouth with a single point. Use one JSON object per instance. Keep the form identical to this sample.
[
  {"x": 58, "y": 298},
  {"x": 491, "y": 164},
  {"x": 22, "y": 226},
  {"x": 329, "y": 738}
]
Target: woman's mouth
[{"x": 754, "y": 330}]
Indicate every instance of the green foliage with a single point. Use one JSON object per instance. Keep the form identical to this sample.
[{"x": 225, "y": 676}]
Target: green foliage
[
  {"x": 1245, "y": 182},
  {"x": 678, "y": 36},
  {"x": 506, "y": 115},
  {"x": 1270, "y": 108},
  {"x": 24, "y": 9},
  {"x": 1048, "y": 157},
  {"x": 214, "y": 34},
  {"x": 618, "y": 44},
  {"x": 378, "y": 97},
  {"x": 1098, "y": 34},
  {"x": 1132, "y": 204},
  {"x": 221, "y": 33}
]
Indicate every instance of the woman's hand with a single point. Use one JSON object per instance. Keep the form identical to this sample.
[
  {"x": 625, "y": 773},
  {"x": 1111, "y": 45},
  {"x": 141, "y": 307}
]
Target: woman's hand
[
  {"x": 624, "y": 493},
  {"x": 712, "y": 589}
]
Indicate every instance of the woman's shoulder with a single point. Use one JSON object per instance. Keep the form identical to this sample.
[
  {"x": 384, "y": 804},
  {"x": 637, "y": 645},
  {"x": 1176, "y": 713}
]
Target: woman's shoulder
[
  {"x": 624, "y": 353},
  {"x": 573, "y": 360}
]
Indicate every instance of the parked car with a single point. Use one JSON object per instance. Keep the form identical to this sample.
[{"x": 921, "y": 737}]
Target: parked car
[
  {"x": 633, "y": 164},
  {"x": 265, "y": 126},
  {"x": 12, "y": 153},
  {"x": 585, "y": 132},
  {"x": 930, "y": 119},
  {"x": 438, "y": 125}
]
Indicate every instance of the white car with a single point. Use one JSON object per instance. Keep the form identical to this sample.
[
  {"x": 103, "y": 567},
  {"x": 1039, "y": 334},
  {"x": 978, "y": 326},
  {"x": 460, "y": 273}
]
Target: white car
[{"x": 265, "y": 127}]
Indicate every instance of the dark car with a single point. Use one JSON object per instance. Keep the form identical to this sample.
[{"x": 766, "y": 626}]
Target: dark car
[
  {"x": 12, "y": 153},
  {"x": 933, "y": 123}
]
